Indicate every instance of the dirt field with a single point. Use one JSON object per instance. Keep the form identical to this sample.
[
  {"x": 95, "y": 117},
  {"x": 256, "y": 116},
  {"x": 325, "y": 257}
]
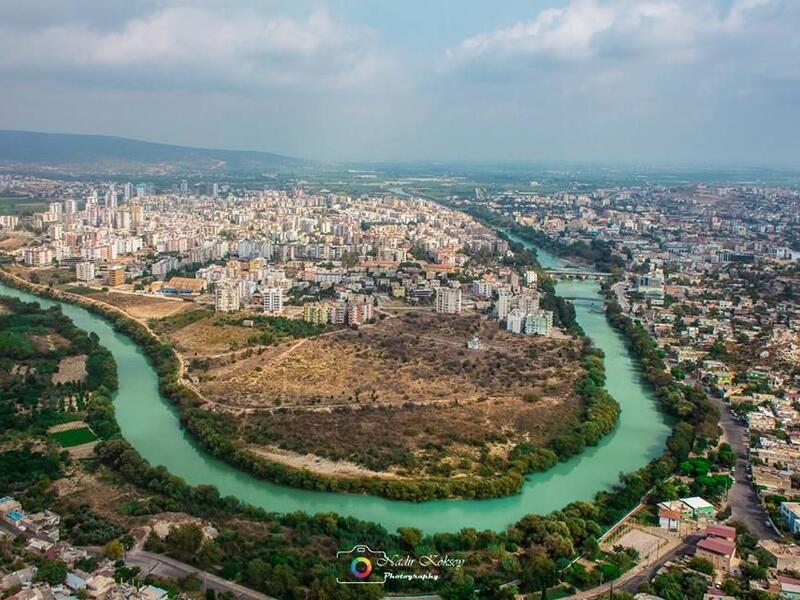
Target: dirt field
[
  {"x": 70, "y": 368},
  {"x": 403, "y": 396},
  {"x": 207, "y": 338},
  {"x": 13, "y": 240},
  {"x": 414, "y": 358},
  {"x": 141, "y": 306}
]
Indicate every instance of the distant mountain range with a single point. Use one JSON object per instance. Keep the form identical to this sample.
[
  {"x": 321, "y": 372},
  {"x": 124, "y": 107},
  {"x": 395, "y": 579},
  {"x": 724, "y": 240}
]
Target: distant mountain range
[{"x": 109, "y": 154}]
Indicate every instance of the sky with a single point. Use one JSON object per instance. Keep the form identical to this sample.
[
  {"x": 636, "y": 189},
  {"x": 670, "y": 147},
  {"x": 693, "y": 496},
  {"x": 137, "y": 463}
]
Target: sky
[{"x": 662, "y": 82}]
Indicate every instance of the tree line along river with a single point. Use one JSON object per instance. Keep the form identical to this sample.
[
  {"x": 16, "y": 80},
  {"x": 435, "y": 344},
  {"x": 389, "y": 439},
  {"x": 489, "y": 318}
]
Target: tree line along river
[{"x": 152, "y": 426}]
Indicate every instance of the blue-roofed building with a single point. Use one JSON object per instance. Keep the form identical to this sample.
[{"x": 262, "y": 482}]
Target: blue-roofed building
[
  {"x": 8, "y": 504},
  {"x": 75, "y": 581},
  {"x": 151, "y": 592},
  {"x": 14, "y": 517}
]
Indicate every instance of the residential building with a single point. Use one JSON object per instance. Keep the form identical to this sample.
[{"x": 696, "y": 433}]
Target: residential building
[
  {"x": 226, "y": 296},
  {"x": 786, "y": 557},
  {"x": 790, "y": 511},
  {"x": 85, "y": 271},
  {"x": 515, "y": 321},
  {"x": 115, "y": 275},
  {"x": 359, "y": 312},
  {"x": 538, "y": 322},
  {"x": 718, "y": 551},
  {"x": 503, "y": 304},
  {"x": 272, "y": 299},
  {"x": 315, "y": 313},
  {"x": 448, "y": 300}
]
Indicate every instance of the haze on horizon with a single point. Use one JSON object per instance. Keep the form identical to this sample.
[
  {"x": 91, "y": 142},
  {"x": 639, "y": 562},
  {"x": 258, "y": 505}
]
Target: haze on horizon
[{"x": 658, "y": 81}]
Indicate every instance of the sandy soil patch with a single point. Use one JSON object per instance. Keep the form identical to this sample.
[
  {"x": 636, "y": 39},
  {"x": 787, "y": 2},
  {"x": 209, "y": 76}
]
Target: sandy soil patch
[
  {"x": 67, "y": 426},
  {"x": 317, "y": 464},
  {"x": 71, "y": 368},
  {"x": 204, "y": 338},
  {"x": 143, "y": 307}
]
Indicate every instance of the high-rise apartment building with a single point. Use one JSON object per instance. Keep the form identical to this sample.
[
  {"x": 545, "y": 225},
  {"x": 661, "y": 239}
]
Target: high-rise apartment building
[
  {"x": 448, "y": 300},
  {"x": 226, "y": 296},
  {"x": 272, "y": 299}
]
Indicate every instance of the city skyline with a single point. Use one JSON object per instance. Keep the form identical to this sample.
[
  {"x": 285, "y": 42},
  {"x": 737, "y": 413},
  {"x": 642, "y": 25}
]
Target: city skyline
[{"x": 614, "y": 81}]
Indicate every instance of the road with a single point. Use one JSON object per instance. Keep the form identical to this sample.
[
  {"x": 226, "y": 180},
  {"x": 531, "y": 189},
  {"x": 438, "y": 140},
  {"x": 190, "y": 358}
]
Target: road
[
  {"x": 744, "y": 502},
  {"x": 632, "y": 584},
  {"x": 157, "y": 564}
]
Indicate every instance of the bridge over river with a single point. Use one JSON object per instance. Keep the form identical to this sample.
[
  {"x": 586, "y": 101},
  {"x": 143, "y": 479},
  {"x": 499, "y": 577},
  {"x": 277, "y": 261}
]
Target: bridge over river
[{"x": 569, "y": 273}]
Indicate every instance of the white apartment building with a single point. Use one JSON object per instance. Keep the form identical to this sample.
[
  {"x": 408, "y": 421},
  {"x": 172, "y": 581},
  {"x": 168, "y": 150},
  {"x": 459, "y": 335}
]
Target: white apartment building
[
  {"x": 273, "y": 300},
  {"x": 226, "y": 296},
  {"x": 85, "y": 271},
  {"x": 529, "y": 300},
  {"x": 37, "y": 256},
  {"x": 515, "y": 321},
  {"x": 9, "y": 221},
  {"x": 502, "y": 305},
  {"x": 531, "y": 278},
  {"x": 448, "y": 300},
  {"x": 538, "y": 322},
  {"x": 483, "y": 289}
]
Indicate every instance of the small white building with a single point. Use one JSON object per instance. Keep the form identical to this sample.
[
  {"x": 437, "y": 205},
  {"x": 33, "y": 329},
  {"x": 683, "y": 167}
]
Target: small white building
[{"x": 474, "y": 343}]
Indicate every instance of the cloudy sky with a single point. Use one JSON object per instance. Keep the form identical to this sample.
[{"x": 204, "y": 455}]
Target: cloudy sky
[{"x": 654, "y": 81}]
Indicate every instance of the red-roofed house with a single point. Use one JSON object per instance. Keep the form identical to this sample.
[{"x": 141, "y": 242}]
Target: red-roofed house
[
  {"x": 724, "y": 532},
  {"x": 717, "y": 550},
  {"x": 669, "y": 519}
]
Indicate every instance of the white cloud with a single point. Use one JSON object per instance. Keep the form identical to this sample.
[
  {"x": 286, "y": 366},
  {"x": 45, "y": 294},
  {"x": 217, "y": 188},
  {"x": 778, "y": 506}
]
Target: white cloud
[
  {"x": 245, "y": 48},
  {"x": 667, "y": 30}
]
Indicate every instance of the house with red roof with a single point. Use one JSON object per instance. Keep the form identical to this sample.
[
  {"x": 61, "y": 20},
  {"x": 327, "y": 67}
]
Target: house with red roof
[
  {"x": 669, "y": 519},
  {"x": 724, "y": 532},
  {"x": 720, "y": 552}
]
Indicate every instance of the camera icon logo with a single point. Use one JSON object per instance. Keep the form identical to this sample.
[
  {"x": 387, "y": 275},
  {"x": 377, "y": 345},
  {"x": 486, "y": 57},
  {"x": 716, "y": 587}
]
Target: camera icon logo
[{"x": 362, "y": 560}]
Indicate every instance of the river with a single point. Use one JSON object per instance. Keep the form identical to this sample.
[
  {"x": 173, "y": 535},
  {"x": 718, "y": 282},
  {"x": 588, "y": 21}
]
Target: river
[{"x": 151, "y": 425}]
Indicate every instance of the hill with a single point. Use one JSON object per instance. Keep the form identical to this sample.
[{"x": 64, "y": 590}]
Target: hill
[{"x": 102, "y": 153}]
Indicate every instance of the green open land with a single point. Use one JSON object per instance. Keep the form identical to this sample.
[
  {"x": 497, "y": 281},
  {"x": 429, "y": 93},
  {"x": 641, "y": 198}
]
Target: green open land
[
  {"x": 21, "y": 205},
  {"x": 74, "y": 437}
]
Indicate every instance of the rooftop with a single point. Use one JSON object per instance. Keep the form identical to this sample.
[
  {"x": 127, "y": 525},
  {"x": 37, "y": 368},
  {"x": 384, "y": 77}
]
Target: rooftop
[{"x": 717, "y": 546}]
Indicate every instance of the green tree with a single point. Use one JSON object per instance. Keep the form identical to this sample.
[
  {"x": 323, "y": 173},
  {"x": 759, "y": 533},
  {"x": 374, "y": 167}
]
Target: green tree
[
  {"x": 52, "y": 572},
  {"x": 113, "y": 550},
  {"x": 184, "y": 541}
]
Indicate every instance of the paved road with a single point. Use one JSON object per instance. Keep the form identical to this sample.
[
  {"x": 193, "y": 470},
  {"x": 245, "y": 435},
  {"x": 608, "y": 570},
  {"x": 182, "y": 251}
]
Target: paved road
[
  {"x": 642, "y": 577},
  {"x": 161, "y": 565},
  {"x": 745, "y": 505}
]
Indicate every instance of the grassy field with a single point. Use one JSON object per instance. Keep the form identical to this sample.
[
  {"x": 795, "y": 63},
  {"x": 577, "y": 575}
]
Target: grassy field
[
  {"x": 21, "y": 205},
  {"x": 74, "y": 437}
]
